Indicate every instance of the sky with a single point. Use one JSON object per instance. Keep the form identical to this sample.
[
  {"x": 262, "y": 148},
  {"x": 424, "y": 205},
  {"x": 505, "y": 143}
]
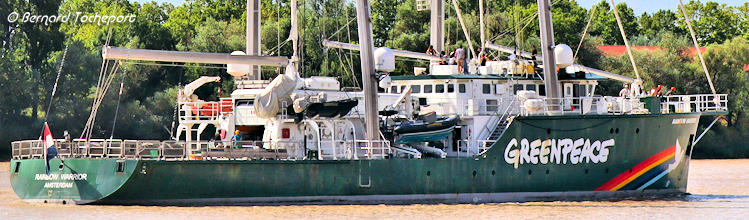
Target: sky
[
  {"x": 651, "y": 6},
  {"x": 639, "y": 6}
]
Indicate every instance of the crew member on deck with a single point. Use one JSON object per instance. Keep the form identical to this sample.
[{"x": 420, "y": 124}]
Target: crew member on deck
[
  {"x": 444, "y": 58},
  {"x": 431, "y": 51},
  {"x": 625, "y": 91},
  {"x": 483, "y": 58},
  {"x": 461, "y": 59},
  {"x": 671, "y": 91},
  {"x": 236, "y": 138}
]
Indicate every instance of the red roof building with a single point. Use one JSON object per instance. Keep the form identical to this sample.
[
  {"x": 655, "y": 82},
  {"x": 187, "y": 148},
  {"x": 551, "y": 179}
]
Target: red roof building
[{"x": 618, "y": 50}]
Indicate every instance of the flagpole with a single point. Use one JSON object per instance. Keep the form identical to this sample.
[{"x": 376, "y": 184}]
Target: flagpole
[{"x": 46, "y": 162}]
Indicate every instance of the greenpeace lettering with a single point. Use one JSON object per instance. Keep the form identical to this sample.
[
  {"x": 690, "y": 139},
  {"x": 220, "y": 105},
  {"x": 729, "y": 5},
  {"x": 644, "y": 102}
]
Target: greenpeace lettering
[{"x": 557, "y": 151}]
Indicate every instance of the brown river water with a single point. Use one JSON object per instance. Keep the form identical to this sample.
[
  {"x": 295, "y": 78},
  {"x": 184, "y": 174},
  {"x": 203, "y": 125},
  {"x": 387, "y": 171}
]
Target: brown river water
[{"x": 719, "y": 190}]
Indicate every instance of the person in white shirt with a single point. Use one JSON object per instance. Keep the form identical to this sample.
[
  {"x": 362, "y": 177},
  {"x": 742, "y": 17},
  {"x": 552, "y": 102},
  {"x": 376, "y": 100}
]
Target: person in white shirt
[
  {"x": 461, "y": 59},
  {"x": 625, "y": 91}
]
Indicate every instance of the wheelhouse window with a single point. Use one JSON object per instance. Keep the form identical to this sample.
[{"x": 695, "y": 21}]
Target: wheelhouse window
[
  {"x": 428, "y": 88},
  {"x": 450, "y": 88},
  {"x": 542, "y": 90},
  {"x": 531, "y": 87},
  {"x": 516, "y": 88},
  {"x": 439, "y": 88},
  {"x": 245, "y": 102},
  {"x": 462, "y": 88},
  {"x": 394, "y": 89},
  {"x": 486, "y": 88},
  {"x": 415, "y": 88}
]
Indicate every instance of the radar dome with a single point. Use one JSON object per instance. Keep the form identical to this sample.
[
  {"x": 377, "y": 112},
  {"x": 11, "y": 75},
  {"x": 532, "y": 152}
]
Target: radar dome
[
  {"x": 563, "y": 55},
  {"x": 384, "y": 60},
  {"x": 237, "y": 70}
]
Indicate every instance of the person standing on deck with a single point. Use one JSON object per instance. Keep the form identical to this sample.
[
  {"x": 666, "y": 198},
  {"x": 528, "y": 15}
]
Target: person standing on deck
[
  {"x": 625, "y": 91},
  {"x": 534, "y": 53},
  {"x": 236, "y": 138},
  {"x": 671, "y": 91},
  {"x": 461, "y": 59}
]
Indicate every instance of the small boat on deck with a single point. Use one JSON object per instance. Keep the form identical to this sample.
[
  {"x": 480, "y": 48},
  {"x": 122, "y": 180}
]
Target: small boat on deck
[{"x": 425, "y": 130}]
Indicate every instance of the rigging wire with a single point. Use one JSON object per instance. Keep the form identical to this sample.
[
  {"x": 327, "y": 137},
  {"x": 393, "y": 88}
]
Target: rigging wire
[
  {"x": 54, "y": 89},
  {"x": 585, "y": 31},
  {"x": 528, "y": 20},
  {"x": 117, "y": 109},
  {"x": 57, "y": 79},
  {"x": 697, "y": 46},
  {"x": 98, "y": 100},
  {"x": 102, "y": 71},
  {"x": 624, "y": 36}
]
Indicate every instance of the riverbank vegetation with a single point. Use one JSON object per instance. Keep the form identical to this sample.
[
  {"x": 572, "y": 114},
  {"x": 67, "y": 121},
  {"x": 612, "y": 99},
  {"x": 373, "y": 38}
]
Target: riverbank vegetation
[{"x": 32, "y": 53}]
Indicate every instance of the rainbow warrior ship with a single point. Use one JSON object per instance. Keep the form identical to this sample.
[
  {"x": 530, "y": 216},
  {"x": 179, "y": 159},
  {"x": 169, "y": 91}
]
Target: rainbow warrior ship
[{"x": 507, "y": 131}]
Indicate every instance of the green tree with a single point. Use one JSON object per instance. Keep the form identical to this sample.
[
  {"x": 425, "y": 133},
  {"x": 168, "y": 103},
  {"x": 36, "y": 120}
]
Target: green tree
[{"x": 712, "y": 22}]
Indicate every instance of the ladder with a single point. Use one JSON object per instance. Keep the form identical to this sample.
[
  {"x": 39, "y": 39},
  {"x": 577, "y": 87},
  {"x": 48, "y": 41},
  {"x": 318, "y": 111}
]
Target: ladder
[{"x": 503, "y": 122}]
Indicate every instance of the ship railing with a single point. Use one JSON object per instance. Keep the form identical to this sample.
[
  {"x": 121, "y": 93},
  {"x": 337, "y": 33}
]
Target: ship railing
[
  {"x": 470, "y": 107},
  {"x": 469, "y": 148},
  {"x": 27, "y": 149},
  {"x": 694, "y": 103},
  {"x": 374, "y": 149},
  {"x": 251, "y": 150},
  {"x": 203, "y": 110},
  {"x": 587, "y": 105}
]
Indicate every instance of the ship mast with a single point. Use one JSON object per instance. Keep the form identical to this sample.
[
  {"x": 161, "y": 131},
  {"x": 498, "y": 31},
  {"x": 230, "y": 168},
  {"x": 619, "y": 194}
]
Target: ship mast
[
  {"x": 369, "y": 83},
  {"x": 253, "y": 35},
  {"x": 437, "y": 25},
  {"x": 547, "y": 49}
]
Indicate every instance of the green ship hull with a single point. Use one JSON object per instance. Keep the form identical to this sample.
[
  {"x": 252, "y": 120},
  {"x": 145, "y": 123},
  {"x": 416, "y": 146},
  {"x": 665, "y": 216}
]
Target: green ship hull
[{"x": 537, "y": 158}]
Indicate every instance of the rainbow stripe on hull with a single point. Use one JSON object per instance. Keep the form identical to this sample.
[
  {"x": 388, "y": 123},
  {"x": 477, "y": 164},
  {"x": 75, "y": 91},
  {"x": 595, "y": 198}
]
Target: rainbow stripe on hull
[{"x": 645, "y": 173}]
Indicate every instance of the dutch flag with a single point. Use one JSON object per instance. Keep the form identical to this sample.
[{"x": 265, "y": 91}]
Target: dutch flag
[{"x": 49, "y": 145}]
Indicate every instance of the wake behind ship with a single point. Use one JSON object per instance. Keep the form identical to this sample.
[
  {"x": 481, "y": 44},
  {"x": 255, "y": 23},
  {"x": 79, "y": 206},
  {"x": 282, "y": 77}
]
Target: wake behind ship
[{"x": 508, "y": 131}]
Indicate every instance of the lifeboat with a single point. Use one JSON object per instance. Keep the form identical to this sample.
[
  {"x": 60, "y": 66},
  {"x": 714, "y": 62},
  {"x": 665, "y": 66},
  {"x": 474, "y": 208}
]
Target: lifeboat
[{"x": 424, "y": 131}]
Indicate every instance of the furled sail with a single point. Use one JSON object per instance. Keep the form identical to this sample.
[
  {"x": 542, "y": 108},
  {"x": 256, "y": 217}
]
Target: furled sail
[{"x": 268, "y": 103}]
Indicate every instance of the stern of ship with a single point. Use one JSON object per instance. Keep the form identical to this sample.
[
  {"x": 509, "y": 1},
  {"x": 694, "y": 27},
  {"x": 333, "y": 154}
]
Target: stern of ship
[{"x": 69, "y": 181}]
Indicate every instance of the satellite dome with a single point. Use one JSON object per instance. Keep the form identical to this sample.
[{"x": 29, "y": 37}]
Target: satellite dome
[
  {"x": 563, "y": 55},
  {"x": 384, "y": 60},
  {"x": 237, "y": 70}
]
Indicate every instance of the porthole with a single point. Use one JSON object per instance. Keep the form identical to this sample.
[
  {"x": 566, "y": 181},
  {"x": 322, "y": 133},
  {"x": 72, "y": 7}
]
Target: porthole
[
  {"x": 548, "y": 131},
  {"x": 637, "y": 131},
  {"x": 586, "y": 171},
  {"x": 493, "y": 172},
  {"x": 530, "y": 172},
  {"x": 606, "y": 171},
  {"x": 611, "y": 130},
  {"x": 547, "y": 171},
  {"x": 474, "y": 173},
  {"x": 617, "y": 130},
  {"x": 429, "y": 173}
]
